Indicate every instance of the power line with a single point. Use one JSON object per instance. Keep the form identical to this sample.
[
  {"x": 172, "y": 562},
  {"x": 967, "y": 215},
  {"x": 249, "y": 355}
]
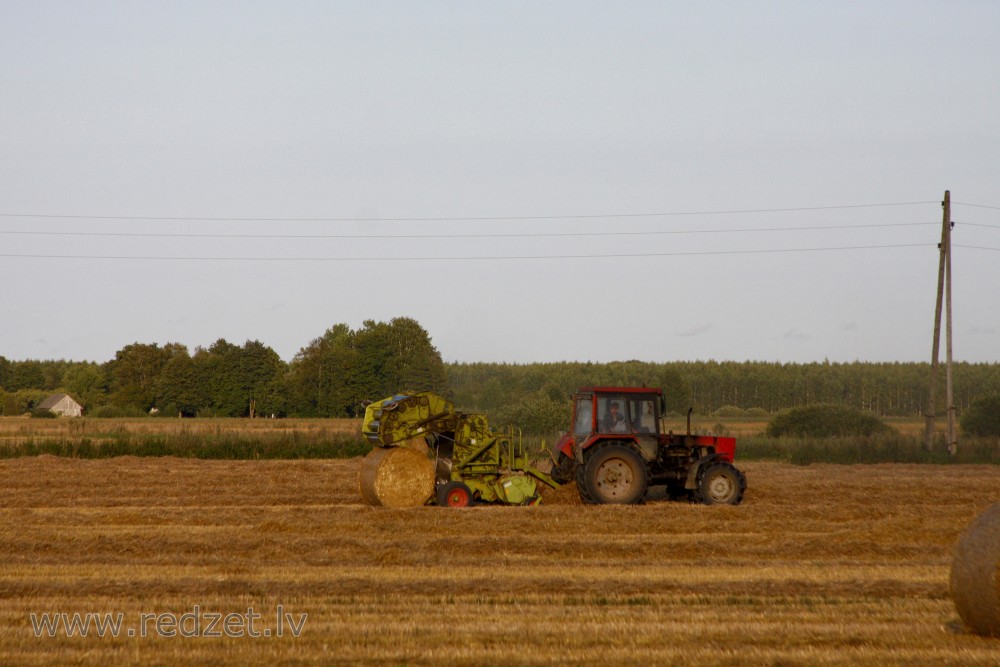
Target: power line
[
  {"x": 455, "y": 219},
  {"x": 995, "y": 208},
  {"x": 441, "y": 236},
  {"x": 463, "y": 258},
  {"x": 974, "y": 247},
  {"x": 978, "y": 224}
]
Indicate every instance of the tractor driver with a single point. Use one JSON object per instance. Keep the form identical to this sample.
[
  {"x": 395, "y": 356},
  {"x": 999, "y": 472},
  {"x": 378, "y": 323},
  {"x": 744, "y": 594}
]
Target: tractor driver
[{"x": 614, "y": 421}]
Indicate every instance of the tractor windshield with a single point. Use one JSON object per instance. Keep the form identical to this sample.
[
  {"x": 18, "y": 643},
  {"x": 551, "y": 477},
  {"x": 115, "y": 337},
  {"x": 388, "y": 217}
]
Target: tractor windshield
[
  {"x": 612, "y": 414},
  {"x": 643, "y": 415},
  {"x": 625, "y": 414}
]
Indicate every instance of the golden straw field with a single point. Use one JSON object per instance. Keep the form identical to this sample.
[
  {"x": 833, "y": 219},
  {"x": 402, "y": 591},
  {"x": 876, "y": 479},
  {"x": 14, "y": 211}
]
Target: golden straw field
[{"x": 821, "y": 565}]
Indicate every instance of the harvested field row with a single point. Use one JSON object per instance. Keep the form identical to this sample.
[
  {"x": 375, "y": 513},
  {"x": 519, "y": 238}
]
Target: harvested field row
[{"x": 820, "y": 565}]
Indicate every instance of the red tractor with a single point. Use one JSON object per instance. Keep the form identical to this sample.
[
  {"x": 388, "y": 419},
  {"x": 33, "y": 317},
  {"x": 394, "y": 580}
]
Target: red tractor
[{"x": 618, "y": 448}]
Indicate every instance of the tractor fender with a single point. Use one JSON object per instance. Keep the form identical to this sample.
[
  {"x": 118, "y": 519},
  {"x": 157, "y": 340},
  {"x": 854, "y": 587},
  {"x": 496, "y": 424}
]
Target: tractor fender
[
  {"x": 725, "y": 447},
  {"x": 695, "y": 470},
  {"x": 564, "y": 445}
]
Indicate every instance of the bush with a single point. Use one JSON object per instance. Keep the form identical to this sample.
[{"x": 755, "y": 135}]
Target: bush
[
  {"x": 825, "y": 421},
  {"x": 43, "y": 414},
  {"x": 758, "y": 413},
  {"x": 111, "y": 411},
  {"x": 730, "y": 411},
  {"x": 891, "y": 447},
  {"x": 21, "y": 402},
  {"x": 983, "y": 417}
]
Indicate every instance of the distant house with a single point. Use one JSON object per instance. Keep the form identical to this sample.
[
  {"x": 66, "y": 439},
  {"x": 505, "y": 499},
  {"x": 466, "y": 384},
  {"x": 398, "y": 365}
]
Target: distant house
[{"x": 61, "y": 404}]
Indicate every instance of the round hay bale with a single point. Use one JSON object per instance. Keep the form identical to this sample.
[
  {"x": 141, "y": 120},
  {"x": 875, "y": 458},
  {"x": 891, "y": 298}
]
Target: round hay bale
[
  {"x": 417, "y": 443},
  {"x": 396, "y": 477},
  {"x": 975, "y": 586}
]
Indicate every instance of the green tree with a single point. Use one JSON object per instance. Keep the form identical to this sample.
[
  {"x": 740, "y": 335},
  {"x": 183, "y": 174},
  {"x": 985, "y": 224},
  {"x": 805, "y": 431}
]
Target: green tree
[
  {"x": 182, "y": 385},
  {"x": 538, "y": 414},
  {"x": 397, "y": 356},
  {"x": 134, "y": 372},
  {"x": 86, "y": 382},
  {"x": 333, "y": 374},
  {"x": 52, "y": 372},
  {"x": 25, "y": 375},
  {"x": 5, "y": 370},
  {"x": 983, "y": 417},
  {"x": 676, "y": 389},
  {"x": 322, "y": 377},
  {"x": 238, "y": 376}
]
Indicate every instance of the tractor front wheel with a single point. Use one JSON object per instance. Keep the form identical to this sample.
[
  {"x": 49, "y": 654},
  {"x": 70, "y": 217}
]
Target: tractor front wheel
[
  {"x": 721, "y": 484},
  {"x": 455, "y": 494},
  {"x": 613, "y": 473}
]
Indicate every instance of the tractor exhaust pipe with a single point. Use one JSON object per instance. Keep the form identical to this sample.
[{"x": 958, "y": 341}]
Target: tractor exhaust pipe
[{"x": 690, "y": 410}]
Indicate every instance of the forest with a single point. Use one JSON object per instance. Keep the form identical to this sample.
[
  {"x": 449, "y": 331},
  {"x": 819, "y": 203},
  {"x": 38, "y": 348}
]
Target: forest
[{"x": 333, "y": 374}]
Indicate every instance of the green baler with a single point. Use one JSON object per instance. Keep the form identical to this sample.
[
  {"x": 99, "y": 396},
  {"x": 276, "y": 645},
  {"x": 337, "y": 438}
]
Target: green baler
[{"x": 472, "y": 462}]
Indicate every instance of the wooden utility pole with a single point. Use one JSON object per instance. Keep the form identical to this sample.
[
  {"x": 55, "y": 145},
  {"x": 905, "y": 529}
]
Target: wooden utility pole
[
  {"x": 930, "y": 415},
  {"x": 952, "y": 436},
  {"x": 943, "y": 293}
]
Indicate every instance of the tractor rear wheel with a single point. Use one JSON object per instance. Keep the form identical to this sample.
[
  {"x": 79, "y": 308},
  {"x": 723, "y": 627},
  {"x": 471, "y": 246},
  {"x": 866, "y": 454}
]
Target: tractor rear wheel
[
  {"x": 613, "y": 473},
  {"x": 721, "y": 484},
  {"x": 455, "y": 494}
]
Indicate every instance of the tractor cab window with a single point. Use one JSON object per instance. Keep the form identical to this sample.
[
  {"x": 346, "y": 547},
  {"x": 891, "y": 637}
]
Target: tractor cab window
[
  {"x": 584, "y": 417},
  {"x": 612, "y": 414},
  {"x": 643, "y": 415}
]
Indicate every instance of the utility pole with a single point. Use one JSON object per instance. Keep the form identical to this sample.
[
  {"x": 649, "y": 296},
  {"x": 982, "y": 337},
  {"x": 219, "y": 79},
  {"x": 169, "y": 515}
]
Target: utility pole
[
  {"x": 948, "y": 224},
  {"x": 930, "y": 415}
]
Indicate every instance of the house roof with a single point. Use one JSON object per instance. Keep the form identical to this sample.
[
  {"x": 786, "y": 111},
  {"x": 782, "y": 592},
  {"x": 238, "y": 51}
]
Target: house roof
[{"x": 52, "y": 401}]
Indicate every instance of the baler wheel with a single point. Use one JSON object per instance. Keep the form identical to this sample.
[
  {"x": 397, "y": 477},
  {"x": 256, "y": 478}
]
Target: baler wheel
[{"x": 455, "y": 494}]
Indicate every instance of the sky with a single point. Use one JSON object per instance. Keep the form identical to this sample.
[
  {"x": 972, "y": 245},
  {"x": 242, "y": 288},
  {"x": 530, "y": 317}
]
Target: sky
[{"x": 531, "y": 181}]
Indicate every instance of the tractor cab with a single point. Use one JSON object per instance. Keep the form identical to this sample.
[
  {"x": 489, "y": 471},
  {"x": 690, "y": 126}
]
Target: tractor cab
[{"x": 631, "y": 413}]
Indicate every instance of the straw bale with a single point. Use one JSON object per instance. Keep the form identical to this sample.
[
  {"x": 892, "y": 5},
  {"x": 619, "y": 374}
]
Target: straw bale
[
  {"x": 975, "y": 586},
  {"x": 396, "y": 477},
  {"x": 564, "y": 495}
]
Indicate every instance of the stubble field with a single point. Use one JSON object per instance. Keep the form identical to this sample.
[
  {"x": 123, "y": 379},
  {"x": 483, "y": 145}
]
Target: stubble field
[{"x": 821, "y": 565}]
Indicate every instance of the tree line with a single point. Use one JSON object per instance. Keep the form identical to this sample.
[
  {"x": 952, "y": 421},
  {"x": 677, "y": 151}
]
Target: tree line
[
  {"x": 333, "y": 374},
  {"x": 886, "y": 389},
  {"x": 329, "y": 377}
]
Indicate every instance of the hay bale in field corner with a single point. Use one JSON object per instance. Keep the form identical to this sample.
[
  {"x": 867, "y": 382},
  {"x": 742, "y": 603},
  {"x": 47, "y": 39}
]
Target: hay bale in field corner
[
  {"x": 396, "y": 477},
  {"x": 975, "y": 586}
]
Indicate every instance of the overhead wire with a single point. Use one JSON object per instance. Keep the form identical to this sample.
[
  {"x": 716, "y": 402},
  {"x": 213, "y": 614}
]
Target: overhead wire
[
  {"x": 960, "y": 203},
  {"x": 461, "y": 235},
  {"x": 464, "y": 258},
  {"x": 729, "y": 230},
  {"x": 973, "y": 247},
  {"x": 456, "y": 218}
]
